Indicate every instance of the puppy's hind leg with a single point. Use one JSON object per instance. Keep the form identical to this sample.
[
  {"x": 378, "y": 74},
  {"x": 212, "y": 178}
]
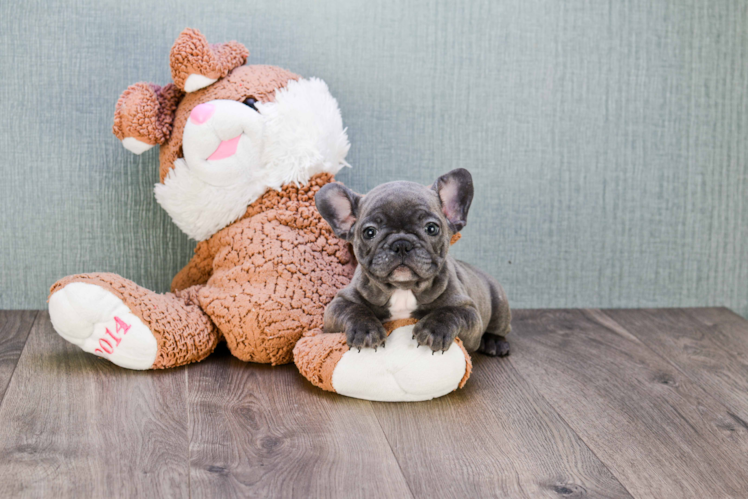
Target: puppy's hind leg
[
  {"x": 494, "y": 345},
  {"x": 493, "y": 342}
]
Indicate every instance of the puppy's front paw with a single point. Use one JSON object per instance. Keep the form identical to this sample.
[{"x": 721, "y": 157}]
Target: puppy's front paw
[
  {"x": 434, "y": 334},
  {"x": 365, "y": 333}
]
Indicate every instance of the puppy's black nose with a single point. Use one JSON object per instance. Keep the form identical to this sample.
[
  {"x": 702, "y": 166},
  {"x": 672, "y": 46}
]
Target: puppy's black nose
[{"x": 401, "y": 247}]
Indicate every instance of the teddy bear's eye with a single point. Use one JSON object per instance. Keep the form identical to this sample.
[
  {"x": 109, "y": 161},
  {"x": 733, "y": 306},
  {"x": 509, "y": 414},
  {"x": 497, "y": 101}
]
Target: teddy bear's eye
[{"x": 251, "y": 103}]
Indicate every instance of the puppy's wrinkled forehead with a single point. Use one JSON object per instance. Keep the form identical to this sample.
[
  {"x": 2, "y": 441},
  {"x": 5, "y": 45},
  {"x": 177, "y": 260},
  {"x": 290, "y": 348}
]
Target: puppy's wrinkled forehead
[{"x": 399, "y": 199}]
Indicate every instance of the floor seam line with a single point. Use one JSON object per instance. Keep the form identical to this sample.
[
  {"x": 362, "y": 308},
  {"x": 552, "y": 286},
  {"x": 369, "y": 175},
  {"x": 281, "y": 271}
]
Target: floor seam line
[
  {"x": 581, "y": 439},
  {"x": 25, "y": 343},
  {"x": 389, "y": 445},
  {"x": 189, "y": 434}
]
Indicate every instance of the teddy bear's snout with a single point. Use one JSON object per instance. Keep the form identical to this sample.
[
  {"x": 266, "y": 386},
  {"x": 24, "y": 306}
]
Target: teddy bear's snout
[
  {"x": 222, "y": 130},
  {"x": 221, "y": 170},
  {"x": 202, "y": 113}
]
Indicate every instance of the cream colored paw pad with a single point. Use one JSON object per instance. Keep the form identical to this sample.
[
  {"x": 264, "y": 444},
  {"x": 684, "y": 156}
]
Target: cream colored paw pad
[
  {"x": 401, "y": 371},
  {"x": 98, "y": 322}
]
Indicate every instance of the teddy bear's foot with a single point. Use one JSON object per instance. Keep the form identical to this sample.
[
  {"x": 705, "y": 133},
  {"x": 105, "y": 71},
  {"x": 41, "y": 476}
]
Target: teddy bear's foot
[
  {"x": 396, "y": 371},
  {"x": 109, "y": 316},
  {"x": 99, "y": 322}
]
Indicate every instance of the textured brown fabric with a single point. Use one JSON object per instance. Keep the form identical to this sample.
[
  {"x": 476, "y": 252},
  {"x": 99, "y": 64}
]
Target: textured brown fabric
[
  {"x": 455, "y": 238},
  {"x": 191, "y": 54},
  {"x": 317, "y": 354},
  {"x": 468, "y": 364},
  {"x": 198, "y": 269},
  {"x": 145, "y": 111},
  {"x": 183, "y": 332},
  {"x": 273, "y": 273},
  {"x": 391, "y": 326},
  {"x": 258, "y": 82}
]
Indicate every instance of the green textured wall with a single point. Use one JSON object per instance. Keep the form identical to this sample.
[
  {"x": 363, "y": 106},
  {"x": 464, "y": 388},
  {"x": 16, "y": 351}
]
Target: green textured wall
[{"x": 608, "y": 139}]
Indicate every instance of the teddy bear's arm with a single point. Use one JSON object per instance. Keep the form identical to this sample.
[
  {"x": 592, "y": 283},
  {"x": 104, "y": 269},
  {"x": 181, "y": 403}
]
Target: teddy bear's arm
[
  {"x": 401, "y": 372},
  {"x": 197, "y": 271}
]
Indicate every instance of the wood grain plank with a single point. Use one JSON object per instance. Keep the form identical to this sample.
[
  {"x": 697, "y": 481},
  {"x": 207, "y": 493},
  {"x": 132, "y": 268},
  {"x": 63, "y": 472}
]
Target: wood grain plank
[
  {"x": 14, "y": 329},
  {"x": 497, "y": 437},
  {"x": 74, "y": 425},
  {"x": 710, "y": 346},
  {"x": 262, "y": 431},
  {"x": 657, "y": 431}
]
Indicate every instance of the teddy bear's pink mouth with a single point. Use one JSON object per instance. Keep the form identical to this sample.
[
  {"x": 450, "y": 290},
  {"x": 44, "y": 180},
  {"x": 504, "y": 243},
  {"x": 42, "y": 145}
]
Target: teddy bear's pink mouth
[{"x": 226, "y": 149}]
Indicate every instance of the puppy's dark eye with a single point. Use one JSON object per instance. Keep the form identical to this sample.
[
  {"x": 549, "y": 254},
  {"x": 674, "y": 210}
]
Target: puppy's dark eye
[
  {"x": 432, "y": 229},
  {"x": 251, "y": 103},
  {"x": 369, "y": 232}
]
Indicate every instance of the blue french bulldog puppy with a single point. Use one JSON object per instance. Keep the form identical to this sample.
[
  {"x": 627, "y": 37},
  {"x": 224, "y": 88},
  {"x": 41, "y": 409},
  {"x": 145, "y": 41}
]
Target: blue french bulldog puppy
[{"x": 401, "y": 233}]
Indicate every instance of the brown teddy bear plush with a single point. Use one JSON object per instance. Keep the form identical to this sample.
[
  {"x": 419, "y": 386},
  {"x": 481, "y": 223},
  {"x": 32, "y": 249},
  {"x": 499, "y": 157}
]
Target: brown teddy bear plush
[{"x": 243, "y": 150}]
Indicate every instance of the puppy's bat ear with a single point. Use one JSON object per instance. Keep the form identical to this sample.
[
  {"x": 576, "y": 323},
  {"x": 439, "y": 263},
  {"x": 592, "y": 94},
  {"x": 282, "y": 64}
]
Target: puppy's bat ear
[
  {"x": 339, "y": 207},
  {"x": 455, "y": 190}
]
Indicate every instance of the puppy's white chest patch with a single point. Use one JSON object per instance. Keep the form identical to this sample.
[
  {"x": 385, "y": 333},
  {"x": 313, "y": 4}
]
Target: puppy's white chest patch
[{"x": 402, "y": 304}]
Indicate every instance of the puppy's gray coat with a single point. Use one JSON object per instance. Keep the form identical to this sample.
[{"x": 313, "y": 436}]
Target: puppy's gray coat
[{"x": 401, "y": 233}]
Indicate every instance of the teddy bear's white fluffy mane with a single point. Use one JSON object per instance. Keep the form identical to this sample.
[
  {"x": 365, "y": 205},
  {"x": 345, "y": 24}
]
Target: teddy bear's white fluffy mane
[{"x": 302, "y": 135}]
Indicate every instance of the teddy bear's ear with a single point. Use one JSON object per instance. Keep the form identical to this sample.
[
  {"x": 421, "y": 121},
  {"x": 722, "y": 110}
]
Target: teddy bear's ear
[
  {"x": 144, "y": 115},
  {"x": 195, "y": 64}
]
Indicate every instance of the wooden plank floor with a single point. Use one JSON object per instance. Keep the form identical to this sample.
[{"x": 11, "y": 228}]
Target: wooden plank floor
[{"x": 614, "y": 403}]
